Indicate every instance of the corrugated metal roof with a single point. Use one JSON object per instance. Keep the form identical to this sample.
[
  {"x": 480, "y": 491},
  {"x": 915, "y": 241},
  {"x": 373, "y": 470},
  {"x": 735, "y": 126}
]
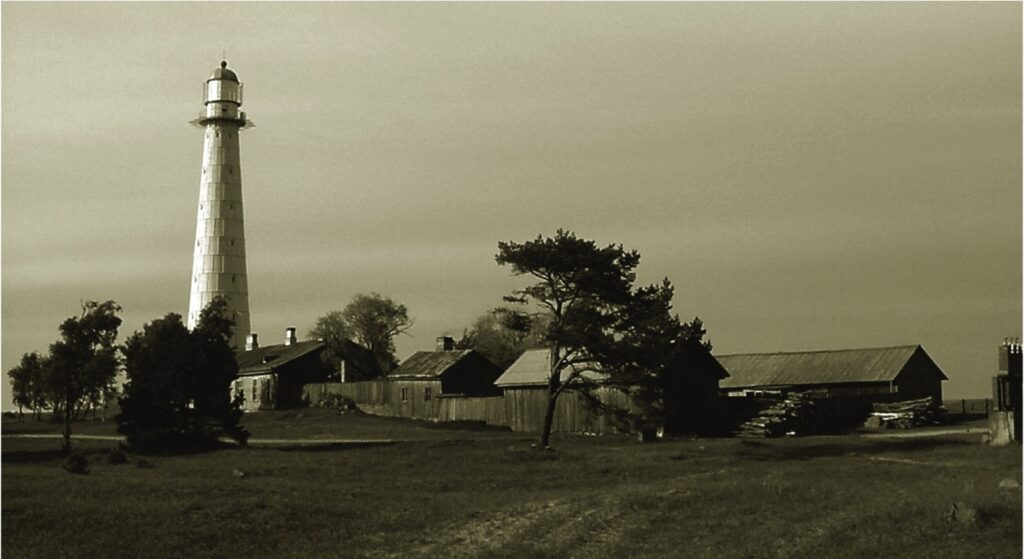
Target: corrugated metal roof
[
  {"x": 817, "y": 367},
  {"x": 428, "y": 364},
  {"x": 266, "y": 358},
  {"x": 531, "y": 369}
]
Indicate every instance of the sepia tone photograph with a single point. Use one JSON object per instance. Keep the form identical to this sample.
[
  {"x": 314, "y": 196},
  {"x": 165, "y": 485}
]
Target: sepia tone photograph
[{"x": 511, "y": 279}]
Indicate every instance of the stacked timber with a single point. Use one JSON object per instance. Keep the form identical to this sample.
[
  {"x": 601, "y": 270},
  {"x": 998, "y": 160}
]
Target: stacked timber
[
  {"x": 793, "y": 414},
  {"x": 904, "y": 415}
]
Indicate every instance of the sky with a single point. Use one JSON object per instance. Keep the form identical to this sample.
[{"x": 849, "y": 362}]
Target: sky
[{"x": 808, "y": 175}]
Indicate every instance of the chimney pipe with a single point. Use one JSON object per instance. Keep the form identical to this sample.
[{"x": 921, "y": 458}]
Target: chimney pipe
[
  {"x": 289, "y": 336},
  {"x": 252, "y": 342},
  {"x": 445, "y": 343}
]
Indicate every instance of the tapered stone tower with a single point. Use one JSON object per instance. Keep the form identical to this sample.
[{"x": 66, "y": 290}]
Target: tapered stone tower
[{"x": 218, "y": 263}]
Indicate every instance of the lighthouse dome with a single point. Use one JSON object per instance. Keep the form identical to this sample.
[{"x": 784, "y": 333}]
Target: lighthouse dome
[{"x": 223, "y": 73}]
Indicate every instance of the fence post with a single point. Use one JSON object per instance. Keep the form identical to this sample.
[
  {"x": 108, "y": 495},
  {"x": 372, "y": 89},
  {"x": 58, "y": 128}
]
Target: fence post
[{"x": 963, "y": 406}]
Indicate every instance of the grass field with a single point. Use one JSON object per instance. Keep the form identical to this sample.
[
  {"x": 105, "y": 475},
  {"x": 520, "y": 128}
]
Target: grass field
[{"x": 484, "y": 493}]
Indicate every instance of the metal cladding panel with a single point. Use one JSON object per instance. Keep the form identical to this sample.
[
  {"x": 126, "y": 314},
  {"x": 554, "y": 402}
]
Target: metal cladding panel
[{"x": 816, "y": 367}]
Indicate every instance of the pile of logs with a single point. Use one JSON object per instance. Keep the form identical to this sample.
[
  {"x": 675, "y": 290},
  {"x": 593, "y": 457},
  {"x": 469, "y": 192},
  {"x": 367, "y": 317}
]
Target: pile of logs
[
  {"x": 793, "y": 414},
  {"x": 904, "y": 415}
]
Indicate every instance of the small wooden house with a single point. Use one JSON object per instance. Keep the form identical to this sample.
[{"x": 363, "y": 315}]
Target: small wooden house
[
  {"x": 415, "y": 386},
  {"x": 271, "y": 377}
]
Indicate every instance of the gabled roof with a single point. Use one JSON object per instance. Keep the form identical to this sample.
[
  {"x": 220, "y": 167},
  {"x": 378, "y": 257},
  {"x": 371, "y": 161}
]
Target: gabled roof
[
  {"x": 882, "y": 364},
  {"x": 429, "y": 364},
  {"x": 533, "y": 368},
  {"x": 267, "y": 358}
]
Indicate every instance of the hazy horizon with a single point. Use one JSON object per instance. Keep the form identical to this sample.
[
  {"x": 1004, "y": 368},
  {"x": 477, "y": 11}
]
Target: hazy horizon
[{"x": 810, "y": 176}]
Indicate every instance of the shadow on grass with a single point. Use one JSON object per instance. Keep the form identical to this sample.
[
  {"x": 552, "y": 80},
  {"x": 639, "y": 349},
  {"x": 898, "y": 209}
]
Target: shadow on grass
[
  {"x": 794, "y": 449},
  {"x": 324, "y": 447},
  {"x": 43, "y": 455}
]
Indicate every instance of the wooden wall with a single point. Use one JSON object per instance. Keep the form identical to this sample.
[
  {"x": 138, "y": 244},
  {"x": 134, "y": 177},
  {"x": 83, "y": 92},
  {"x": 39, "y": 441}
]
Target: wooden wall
[
  {"x": 417, "y": 399},
  {"x": 525, "y": 408}
]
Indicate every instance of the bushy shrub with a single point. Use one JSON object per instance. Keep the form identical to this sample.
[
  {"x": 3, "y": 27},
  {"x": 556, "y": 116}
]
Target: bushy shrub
[
  {"x": 117, "y": 456},
  {"x": 76, "y": 464}
]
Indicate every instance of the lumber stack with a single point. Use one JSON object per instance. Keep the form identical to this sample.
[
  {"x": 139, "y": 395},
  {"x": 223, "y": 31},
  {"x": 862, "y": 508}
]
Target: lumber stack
[
  {"x": 904, "y": 415},
  {"x": 792, "y": 414}
]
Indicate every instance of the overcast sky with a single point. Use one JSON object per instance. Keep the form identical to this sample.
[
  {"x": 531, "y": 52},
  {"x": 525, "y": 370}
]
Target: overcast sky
[{"x": 810, "y": 176}]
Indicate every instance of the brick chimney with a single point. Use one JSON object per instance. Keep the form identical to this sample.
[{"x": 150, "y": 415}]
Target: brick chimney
[
  {"x": 252, "y": 341},
  {"x": 289, "y": 336},
  {"x": 445, "y": 343}
]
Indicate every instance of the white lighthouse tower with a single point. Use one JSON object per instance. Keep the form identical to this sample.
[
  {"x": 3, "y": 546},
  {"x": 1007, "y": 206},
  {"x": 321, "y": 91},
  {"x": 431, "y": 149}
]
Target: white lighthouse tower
[{"x": 218, "y": 262}]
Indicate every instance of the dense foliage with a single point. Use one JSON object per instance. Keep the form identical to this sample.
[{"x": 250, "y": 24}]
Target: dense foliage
[
  {"x": 177, "y": 398},
  {"x": 372, "y": 321},
  {"x": 29, "y": 383},
  {"x": 503, "y": 334},
  {"x": 78, "y": 373}
]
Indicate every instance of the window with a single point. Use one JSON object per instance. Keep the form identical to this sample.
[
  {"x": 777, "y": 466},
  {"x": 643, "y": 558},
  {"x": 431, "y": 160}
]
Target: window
[
  {"x": 405, "y": 394},
  {"x": 426, "y": 394}
]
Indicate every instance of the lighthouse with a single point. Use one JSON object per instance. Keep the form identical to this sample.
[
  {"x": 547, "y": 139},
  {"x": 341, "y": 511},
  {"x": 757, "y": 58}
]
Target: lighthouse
[{"x": 218, "y": 262}]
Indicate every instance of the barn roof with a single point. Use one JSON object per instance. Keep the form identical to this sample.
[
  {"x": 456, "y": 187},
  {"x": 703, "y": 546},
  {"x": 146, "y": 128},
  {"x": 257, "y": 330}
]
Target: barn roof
[
  {"x": 531, "y": 369},
  {"x": 267, "y": 358},
  {"x": 881, "y": 364},
  {"x": 429, "y": 364}
]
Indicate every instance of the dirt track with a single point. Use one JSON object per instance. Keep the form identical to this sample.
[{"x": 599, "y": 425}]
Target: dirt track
[{"x": 580, "y": 527}]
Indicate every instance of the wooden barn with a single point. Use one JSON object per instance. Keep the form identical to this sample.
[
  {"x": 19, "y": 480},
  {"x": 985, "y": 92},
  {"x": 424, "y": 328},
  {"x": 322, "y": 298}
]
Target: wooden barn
[
  {"x": 415, "y": 386},
  {"x": 525, "y": 385},
  {"x": 851, "y": 378},
  {"x": 271, "y": 377}
]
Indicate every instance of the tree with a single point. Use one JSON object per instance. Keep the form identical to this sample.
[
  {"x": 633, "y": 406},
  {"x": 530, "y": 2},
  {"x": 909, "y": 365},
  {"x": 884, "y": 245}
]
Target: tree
[
  {"x": 597, "y": 320},
  {"x": 83, "y": 363},
  {"x": 28, "y": 383},
  {"x": 371, "y": 320},
  {"x": 177, "y": 398},
  {"x": 503, "y": 334}
]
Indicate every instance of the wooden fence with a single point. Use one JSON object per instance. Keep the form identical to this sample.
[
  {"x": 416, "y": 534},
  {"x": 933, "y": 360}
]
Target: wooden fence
[
  {"x": 490, "y": 410},
  {"x": 520, "y": 409},
  {"x": 365, "y": 392},
  {"x": 975, "y": 406}
]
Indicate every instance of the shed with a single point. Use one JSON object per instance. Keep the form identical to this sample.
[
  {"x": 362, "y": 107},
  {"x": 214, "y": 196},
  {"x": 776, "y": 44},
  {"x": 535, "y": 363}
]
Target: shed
[
  {"x": 427, "y": 375},
  {"x": 525, "y": 385},
  {"x": 880, "y": 374}
]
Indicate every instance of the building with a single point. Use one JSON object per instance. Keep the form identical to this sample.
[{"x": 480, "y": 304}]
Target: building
[
  {"x": 218, "y": 261},
  {"x": 415, "y": 386},
  {"x": 870, "y": 374},
  {"x": 525, "y": 386},
  {"x": 272, "y": 377}
]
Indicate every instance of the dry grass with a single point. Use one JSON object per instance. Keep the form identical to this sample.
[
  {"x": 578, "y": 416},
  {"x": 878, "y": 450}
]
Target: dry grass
[{"x": 470, "y": 494}]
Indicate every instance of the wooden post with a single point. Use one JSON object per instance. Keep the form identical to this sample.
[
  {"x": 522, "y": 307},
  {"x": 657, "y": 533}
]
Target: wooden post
[{"x": 963, "y": 406}]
